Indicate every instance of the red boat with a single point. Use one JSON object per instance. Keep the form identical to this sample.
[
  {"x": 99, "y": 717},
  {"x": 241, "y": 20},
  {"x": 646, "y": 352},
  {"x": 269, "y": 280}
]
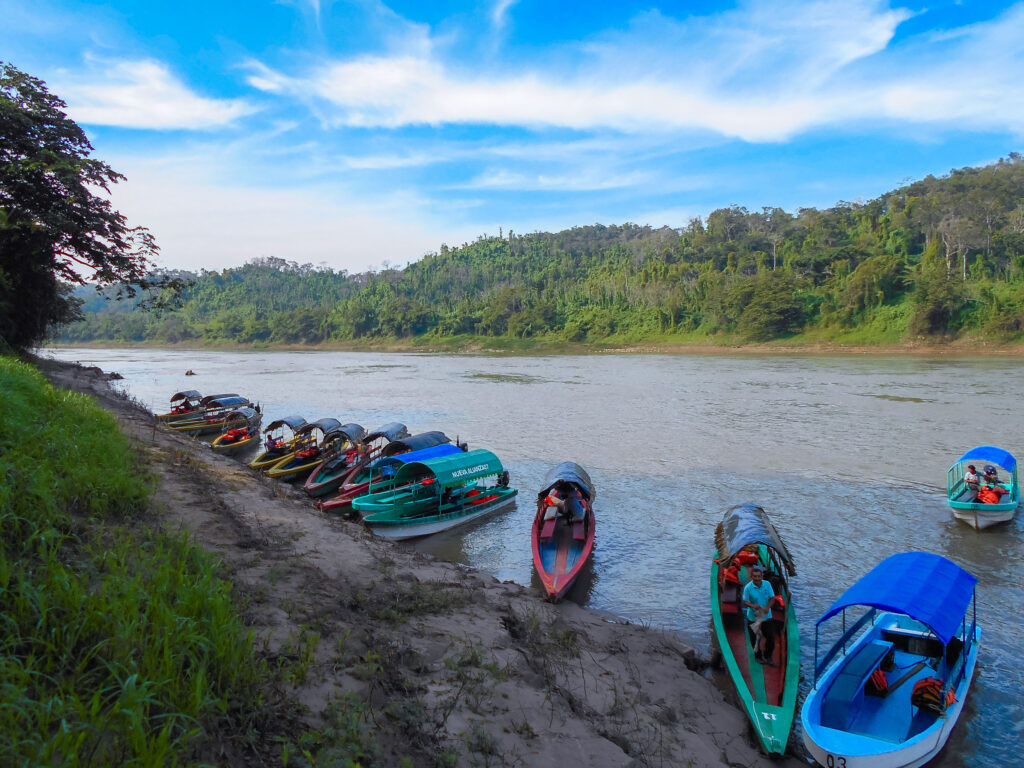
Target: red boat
[
  {"x": 358, "y": 480},
  {"x": 563, "y": 529}
]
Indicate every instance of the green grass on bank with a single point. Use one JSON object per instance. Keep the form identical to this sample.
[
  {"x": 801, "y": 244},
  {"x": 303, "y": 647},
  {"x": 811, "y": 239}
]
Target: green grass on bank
[{"x": 119, "y": 645}]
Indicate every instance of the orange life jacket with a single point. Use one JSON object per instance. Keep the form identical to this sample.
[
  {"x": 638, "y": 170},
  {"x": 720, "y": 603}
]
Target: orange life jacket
[
  {"x": 990, "y": 494},
  {"x": 744, "y": 558}
]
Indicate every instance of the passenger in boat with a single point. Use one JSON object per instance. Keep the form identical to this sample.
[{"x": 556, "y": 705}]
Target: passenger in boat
[
  {"x": 757, "y": 598},
  {"x": 555, "y": 503},
  {"x": 272, "y": 444},
  {"x": 971, "y": 479},
  {"x": 991, "y": 494},
  {"x": 991, "y": 476}
]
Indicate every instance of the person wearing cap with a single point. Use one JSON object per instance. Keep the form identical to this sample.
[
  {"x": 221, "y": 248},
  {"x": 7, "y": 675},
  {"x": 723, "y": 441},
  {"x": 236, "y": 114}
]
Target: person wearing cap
[
  {"x": 991, "y": 476},
  {"x": 971, "y": 479},
  {"x": 757, "y": 598}
]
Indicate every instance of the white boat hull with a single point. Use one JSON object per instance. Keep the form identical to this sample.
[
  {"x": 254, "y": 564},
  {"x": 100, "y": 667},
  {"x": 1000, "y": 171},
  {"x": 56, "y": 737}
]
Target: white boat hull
[
  {"x": 983, "y": 518},
  {"x": 415, "y": 530}
]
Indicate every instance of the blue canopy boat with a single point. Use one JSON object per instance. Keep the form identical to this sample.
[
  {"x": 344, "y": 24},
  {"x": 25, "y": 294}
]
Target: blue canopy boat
[
  {"x": 964, "y": 497},
  {"x": 889, "y": 696}
]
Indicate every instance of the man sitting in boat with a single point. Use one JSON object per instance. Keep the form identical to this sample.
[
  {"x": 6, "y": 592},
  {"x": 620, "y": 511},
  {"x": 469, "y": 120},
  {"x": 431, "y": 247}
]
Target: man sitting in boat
[
  {"x": 991, "y": 494},
  {"x": 564, "y": 500},
  {"x": 991, "y": 476},
  {"x": 757, "y": 597},
  {"x": 273, "y": 444}
]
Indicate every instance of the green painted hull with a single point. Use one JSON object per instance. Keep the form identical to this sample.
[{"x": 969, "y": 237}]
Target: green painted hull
[{"x": 772, "y": 722}]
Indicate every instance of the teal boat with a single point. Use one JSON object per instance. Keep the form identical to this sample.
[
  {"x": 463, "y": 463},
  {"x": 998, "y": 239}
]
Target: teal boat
[
  {"x": 767, "y": 691},
  {"x": 436, "y": 494},
  {"x": 968, "y": 505}
]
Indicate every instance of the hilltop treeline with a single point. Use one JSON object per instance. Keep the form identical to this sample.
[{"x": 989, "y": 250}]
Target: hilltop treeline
[{"x": 940, "y": 258}]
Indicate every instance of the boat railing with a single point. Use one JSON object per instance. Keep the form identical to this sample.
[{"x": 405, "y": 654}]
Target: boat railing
[
  {"x": 954, "y": 476},
  {"x": 840, "y": 644}
]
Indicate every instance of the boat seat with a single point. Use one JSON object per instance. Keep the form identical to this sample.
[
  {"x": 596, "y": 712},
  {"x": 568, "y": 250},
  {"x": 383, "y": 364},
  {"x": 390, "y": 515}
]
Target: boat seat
[
  {"x": 578, "y": 532},
  {"x": 549, "y": 528},
  {"x": 848, "y": 686}
]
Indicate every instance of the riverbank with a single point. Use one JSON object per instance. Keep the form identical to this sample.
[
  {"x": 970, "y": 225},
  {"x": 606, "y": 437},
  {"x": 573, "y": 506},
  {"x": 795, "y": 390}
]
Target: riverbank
[
  {"x": 962, "y": 348},
  {"x": 419, "y": 661}
]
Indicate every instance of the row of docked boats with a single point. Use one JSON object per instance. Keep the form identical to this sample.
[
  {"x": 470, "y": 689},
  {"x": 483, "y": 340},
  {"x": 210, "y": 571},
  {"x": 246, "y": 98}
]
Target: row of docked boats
[
  {"x": 887, "y": 691},
  {"x": 402, "y": 486}
]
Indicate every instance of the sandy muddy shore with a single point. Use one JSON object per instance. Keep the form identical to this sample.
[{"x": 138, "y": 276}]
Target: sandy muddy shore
[{"x": 449, "y": 660}]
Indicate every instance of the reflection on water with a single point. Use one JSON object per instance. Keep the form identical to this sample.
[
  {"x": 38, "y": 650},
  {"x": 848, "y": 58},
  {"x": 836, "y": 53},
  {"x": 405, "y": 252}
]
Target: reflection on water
[{"x": 847, "y": 455}]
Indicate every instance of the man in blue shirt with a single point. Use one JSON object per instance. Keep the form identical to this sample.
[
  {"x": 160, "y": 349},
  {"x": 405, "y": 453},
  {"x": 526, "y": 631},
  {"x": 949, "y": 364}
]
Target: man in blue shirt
[{"x": 757, "y": 597}]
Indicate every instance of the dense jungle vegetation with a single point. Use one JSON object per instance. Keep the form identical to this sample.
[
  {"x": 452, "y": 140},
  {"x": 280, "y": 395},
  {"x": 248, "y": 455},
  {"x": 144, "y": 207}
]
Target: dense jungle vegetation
[{"x": 938, "y": 259}]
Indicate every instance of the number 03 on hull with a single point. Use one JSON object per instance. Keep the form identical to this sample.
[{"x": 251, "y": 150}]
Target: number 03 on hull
[{"x": 890, "y": 690}]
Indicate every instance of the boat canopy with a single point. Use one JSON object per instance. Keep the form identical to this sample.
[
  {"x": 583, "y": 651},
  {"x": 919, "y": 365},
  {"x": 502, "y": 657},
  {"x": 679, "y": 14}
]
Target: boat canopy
[
  {"x": 247, "y": 413},
  {"x": 326, "y": 426},
  {"x": 188, "y": 394},
  {"x": 922, "y": 585},
  {"x": 292, "y": 422},
  {"x": 749, "y": 524},
  {"x": 433, "y": 452},
  {"x": 991, "y": 455},
  {"x": 351, "y": 432},
  {"x": 390, "y": 432},
  {"x": 415, "y": 443},
  {"x": 226, "y": 401},
  {"x": 453, "y": 470},
  {"x": 206, "y": 400},
  {"x": 568, "y": 472}
]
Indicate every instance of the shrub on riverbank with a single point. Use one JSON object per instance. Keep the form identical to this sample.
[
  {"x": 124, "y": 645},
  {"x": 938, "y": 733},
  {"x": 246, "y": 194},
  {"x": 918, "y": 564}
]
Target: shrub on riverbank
[{"x": 120, "y": 645}]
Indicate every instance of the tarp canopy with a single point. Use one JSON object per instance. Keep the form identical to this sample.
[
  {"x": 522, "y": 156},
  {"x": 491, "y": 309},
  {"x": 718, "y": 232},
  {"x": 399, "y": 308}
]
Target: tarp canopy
[
  {"x": 390, "y": 464},
  {"x": 188, "y": 394},
  {"x": 568, "y": 472},
  {"x": 922, "y": 585},
  {"x": 226, "y": 401},
  {"x": 447, "y": 471},
  {"x": 389, "y": 432},
  {"x": 292, "y": 422},
  {"x": 324, "y": 425},
  {"x": 247, "y": 413},
  {"x": 415, "y": 443},
  {"x": 749, "y": 524},
  {"x": 351, "y": 432},
  {"x": 989, "y": 454},
  {"x": 208, "y": 398}
]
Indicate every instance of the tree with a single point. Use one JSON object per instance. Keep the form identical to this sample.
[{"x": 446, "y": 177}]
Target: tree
[{"x": 54, "y": 227}]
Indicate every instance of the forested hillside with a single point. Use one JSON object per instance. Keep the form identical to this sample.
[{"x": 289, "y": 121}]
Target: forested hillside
[{"x": 941, "y": 258}]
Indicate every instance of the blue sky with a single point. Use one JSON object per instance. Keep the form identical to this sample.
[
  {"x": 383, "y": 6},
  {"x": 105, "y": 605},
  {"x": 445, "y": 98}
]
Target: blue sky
[{"x": 355, "y": 134}]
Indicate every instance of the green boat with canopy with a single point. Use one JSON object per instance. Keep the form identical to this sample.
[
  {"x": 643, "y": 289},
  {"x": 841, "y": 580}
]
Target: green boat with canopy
[
  {"x": 765, "y": 683},
  {"x": 436, "y": 494}
]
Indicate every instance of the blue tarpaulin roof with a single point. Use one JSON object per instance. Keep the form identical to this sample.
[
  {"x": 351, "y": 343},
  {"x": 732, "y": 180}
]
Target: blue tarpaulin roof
[
  {"x": 445, "y": 449},
  {"x": 991, "y": 455},
  {"x": 922, "y": 585}
]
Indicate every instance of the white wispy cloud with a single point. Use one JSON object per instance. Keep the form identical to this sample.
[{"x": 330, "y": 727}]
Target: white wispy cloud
[
  {"x": 764, "y": 71},
  {"x": 142, "y": 94},
  {"x": 499, "y": 13},
  {"x": 204, "y": 210}
]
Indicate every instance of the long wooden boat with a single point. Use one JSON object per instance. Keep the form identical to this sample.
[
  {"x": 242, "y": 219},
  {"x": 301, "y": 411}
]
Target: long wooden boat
[
  {"x": 767, "y": 691},
  {"x": 311, "y": 440},
  {"x": 344, "y": 450},
  {"x": 964, "y": 497},
  {"x": 280, "y": 442},
  {"x": 215, "y": 412},
  {"x": 357, "y": 482},
  {"x": 241, "y": 430},
  {"x": 889, "y": 691},
  {"x": 184, "y": 405},
  {"x": 563, "y": 529},
  {"x": 436, "y": 494}
]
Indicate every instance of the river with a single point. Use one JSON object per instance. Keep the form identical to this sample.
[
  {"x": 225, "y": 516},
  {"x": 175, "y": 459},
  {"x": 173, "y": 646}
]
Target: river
[{"x": 848, "y": 455}]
